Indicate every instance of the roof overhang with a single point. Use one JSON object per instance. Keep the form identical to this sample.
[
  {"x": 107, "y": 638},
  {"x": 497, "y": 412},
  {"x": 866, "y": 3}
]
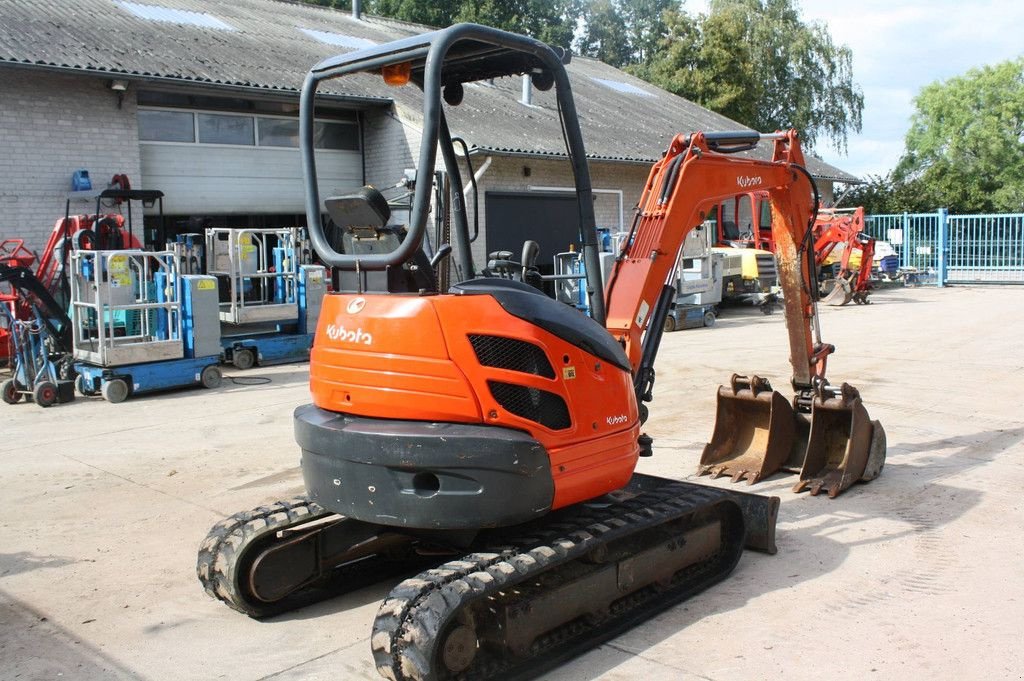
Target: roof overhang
[
  {"x": 556, "y": 156},
  {"x": 198, "y": 84}
]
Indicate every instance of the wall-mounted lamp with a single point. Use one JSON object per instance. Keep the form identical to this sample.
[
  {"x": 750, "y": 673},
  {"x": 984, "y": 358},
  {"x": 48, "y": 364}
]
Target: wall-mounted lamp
[{"x": 119, "y": 86}]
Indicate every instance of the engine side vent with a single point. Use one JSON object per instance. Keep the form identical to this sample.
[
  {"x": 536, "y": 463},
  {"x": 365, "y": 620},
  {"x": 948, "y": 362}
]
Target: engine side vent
[
  {"x": 511, "y": 354},
  {"x": 547, "y": 409},
  {"x": 767, "y": 271}
]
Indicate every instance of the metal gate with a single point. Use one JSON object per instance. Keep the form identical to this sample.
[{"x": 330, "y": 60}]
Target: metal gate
[{"x": 956, "y": 249}]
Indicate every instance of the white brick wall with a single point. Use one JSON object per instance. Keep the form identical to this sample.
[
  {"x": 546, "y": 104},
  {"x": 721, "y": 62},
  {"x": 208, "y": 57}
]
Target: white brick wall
[
  {"x": 390, "y": 140},
  {"x": 50, "y": 126}
]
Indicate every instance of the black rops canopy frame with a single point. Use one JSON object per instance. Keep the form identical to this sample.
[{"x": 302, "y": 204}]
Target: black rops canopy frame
[{"x": 459, "y": 54}]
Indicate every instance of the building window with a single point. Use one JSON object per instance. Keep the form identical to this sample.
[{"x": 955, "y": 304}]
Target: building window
[
  {"x": 336, "y": 136},
  {"x": 166, "y": 126},
  {"x": 278, "y": 132},
  {"x": 225, "y": 129}
]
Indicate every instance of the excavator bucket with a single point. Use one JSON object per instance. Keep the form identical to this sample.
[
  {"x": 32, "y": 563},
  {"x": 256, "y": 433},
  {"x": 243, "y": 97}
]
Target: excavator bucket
[
  {"x": 841, "y": 293},
  {"x": 843, "y": 446},
  {"x": 754, "y": 431}
]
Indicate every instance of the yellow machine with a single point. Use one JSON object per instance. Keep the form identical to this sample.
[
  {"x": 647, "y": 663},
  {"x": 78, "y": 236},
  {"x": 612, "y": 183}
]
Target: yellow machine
[{"x": 749, "y": 277}]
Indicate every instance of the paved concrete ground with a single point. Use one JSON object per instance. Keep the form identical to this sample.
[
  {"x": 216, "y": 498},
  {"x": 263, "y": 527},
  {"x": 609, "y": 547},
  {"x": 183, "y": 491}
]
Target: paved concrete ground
[{"x": 915, "y": 576}]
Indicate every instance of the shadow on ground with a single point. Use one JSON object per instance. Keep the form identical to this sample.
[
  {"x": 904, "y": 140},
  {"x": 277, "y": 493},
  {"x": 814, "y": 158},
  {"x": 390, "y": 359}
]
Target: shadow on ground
[{"x": 24, "y": 632}]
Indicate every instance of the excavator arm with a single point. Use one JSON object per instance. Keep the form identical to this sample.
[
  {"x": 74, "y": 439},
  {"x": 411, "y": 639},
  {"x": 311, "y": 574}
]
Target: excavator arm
[
  {"x": 697, "y": 172},
  {"x": 824, "y": 432}
]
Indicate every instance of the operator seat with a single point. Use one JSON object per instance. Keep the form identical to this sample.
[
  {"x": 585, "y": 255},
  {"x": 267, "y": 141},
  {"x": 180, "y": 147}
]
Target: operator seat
[{"x": 532, "y": 305}]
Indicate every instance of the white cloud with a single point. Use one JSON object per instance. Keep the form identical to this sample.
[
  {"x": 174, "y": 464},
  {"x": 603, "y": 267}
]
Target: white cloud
[{"x": 899, "y": 47}]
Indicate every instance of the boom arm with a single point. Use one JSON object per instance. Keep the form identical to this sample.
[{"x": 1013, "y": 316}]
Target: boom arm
[{"x": 696, "y": 173}]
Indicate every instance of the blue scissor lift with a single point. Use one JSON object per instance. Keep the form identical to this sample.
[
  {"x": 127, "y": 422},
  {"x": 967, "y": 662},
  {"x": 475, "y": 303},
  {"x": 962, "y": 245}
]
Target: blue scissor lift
[
  {"x": 270, "y": 299},
  {"x": 140, "y": 326}
]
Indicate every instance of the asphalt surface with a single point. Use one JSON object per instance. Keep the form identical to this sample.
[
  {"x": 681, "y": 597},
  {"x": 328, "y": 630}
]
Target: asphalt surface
[{"x": 914, "y": 575}]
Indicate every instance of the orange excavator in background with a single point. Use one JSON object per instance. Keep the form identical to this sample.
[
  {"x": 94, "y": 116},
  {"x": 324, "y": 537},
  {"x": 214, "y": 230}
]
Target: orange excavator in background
[
  {"x": 490, "y": 434},
  {"x": 743, "y": 231},
  {"x": 843, "y": 229}
]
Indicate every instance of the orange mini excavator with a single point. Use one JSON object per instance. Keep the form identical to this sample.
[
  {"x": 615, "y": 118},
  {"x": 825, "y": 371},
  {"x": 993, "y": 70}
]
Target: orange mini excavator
[
  {"x": 843, "y": 228},
  {"x": 488, "y": 434}
]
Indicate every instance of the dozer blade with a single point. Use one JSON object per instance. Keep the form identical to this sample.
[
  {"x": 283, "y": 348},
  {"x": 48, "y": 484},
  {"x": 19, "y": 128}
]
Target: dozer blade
[
  {"x": 754, "y": 431},
  {"x": 844, "y": 445},
  {"x": 841, "y": 293}
]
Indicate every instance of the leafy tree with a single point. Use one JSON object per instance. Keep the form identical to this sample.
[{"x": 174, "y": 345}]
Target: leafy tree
[
  {"x": 552, "y": 21},
  {"x": 882, "y": 195},
  {"x": 965, "y": 147},
  {"x": 336, "y": 4},
  {"x": 646, "y": 26},
  {"x": 416, "y": 11},
  {"x": 758, "y": 63},
  {"x": 604, "y": 34}
]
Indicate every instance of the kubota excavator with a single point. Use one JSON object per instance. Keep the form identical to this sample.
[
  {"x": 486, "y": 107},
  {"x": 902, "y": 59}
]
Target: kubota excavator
[
  {"x": 844, "y": 228},
  {"x": 489, "y": 433}
]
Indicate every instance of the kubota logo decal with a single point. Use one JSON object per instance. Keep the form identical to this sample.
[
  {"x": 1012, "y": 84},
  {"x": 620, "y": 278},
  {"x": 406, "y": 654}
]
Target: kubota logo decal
[
  {"x": 356, "y": 305},
  {"x": 616, "y": 420},
  {"x": 745, "y": 181},
  {"x": 340, "y": 333}
]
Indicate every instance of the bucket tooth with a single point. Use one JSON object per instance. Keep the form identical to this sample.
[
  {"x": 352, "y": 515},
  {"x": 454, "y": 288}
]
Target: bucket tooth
[
  {"x": 843, "y": 445},
  {"x": 754, "y": 431}
]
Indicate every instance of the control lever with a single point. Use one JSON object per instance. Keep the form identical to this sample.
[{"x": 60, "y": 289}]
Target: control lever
[{"x": 443, "y": 251}]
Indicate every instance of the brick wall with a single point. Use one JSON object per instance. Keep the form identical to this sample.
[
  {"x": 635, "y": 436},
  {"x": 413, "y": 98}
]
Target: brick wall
[
  {"x": 389, "y": 139},
  {"x": 52, "y": 125}
]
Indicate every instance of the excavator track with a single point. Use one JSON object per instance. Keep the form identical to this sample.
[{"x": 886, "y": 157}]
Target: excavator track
[
  {"x": 557, "y": 588},
  {"x": 245, "y": 560}
]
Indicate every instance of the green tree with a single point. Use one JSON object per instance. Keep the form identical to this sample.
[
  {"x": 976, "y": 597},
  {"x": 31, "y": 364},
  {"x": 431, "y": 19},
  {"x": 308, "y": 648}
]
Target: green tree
[
  {"x": 552, "y": 21},
  {"x": 416, "y": 11},
  {"x": 965, "y": 146},
  {"x": 882, "y": 195},
  {"x": 646, "y": 27},
  {"x": 604, "y": 34},
  {"x": 759, "y": 63}
]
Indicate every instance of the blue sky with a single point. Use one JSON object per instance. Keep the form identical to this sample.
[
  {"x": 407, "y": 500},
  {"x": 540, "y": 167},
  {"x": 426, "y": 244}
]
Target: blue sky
[{"x": 900, "y": 46}]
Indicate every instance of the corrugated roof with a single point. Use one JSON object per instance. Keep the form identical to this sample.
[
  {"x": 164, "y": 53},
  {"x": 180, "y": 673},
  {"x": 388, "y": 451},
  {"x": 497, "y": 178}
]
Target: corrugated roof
[{"x": 274, "y": 43}]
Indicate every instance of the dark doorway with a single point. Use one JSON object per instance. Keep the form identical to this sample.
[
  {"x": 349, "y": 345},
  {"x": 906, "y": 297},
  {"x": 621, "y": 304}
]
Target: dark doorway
[{"x": 550, "y": 219}]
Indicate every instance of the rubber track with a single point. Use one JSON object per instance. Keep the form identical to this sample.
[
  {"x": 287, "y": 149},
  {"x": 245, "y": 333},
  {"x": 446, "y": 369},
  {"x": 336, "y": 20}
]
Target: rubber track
[
  {"x": 410, "y": 622},
  {"x": 222, "y": 555},
  {"x": 221, "y": 552}
]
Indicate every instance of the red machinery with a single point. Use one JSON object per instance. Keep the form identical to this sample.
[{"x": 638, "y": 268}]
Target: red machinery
[
  {"x": 477, "y": 424},
  {"x": 12, "y": 254},
  {"x": 844, "y": 229},
  {"x": 95, "y": 231}
]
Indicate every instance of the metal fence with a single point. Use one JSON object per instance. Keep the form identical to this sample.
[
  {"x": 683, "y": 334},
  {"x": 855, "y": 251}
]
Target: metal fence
[{"x": 955, "y": 249}]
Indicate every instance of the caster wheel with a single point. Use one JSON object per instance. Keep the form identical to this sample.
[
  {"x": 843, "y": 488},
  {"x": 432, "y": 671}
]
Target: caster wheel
[
  {"x": 84, "y": 386},
  {"x": 243, "y": 359},
  {"x": 210, "y": 378},
  {"x": 114, "y": 390}
]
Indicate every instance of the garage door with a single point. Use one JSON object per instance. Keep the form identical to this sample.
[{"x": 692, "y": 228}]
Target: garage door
[
  {"x": 552, "y": 220},
  {"x": 211, "y": 163}
]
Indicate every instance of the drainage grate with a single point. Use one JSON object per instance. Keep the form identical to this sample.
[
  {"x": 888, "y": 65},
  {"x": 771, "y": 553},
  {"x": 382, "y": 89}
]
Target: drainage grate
[
  {"x": 511, "y": 354},
  {"x": 547, "y": 409}
]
